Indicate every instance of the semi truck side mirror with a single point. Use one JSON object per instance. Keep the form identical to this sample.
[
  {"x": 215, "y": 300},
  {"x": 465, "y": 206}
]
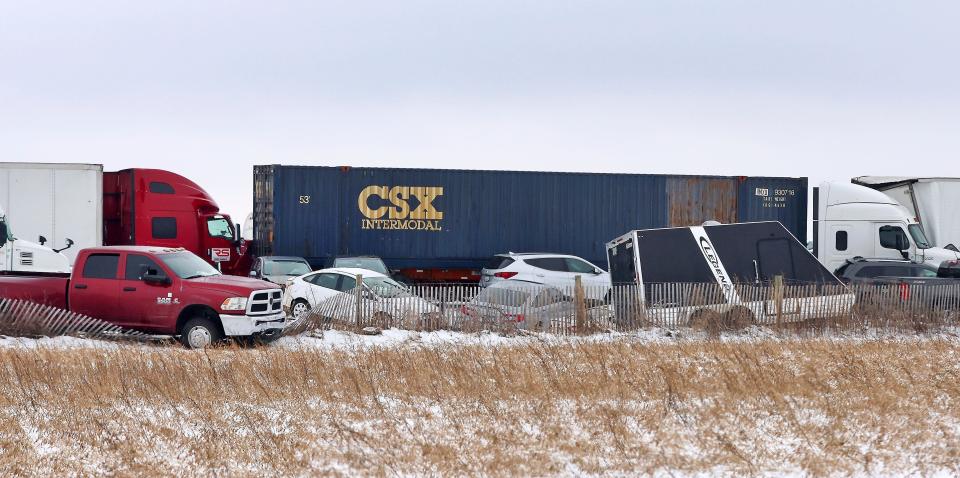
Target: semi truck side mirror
[
  {"x": 3, "y": 233},
  {"x": 253, "y": 274},
  {"x": 69, "y": 244},
  {"x": 42, "y": 240}
]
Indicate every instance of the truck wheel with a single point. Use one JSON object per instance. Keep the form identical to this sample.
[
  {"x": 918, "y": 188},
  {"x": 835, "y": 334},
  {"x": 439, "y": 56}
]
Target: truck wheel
[
  {"x": 199, "y": 333},
  {"x": 300, "y": 308}
]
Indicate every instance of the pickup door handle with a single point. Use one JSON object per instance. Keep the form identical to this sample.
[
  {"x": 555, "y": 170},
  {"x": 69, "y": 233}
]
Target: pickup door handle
[
  {"x": 129, "y": 289},
  {"x": 79, "y": 286}
]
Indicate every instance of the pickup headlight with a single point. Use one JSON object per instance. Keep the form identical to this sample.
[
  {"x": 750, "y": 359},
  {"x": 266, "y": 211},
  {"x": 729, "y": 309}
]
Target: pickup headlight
[{"x": 234, "y": 303}]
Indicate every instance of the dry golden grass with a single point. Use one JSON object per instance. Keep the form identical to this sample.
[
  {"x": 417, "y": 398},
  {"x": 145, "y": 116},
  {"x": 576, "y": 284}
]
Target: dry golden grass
[{"x": 620, "y": 407}]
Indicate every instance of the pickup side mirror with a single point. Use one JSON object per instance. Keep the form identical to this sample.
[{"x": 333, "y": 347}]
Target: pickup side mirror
[{"x": 154, "y": 277}]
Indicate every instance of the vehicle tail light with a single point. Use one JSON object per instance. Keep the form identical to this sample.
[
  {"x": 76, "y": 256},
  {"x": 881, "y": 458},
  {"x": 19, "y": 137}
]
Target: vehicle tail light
[
  {"x": 505, "y": 275},
  {"x": 904, "y": 291}
]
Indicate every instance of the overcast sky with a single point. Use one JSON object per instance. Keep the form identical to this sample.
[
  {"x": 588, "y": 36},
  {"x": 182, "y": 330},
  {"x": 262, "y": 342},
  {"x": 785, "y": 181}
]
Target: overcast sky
[{"x": 824, "y": 89}]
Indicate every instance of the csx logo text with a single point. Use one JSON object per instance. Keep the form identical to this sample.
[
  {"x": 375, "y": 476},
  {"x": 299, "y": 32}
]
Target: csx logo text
[{"x": 398, "y": 213}]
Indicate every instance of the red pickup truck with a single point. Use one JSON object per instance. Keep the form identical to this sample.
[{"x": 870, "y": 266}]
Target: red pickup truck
[{"x": 157, "y": 290}]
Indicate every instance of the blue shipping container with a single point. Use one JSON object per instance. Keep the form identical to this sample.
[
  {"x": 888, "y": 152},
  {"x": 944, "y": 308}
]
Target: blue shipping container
[{"x": 436, "y": 218}]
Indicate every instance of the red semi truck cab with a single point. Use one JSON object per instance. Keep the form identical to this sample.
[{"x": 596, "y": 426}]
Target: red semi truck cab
[
  {"x": 152, "y": 207},
  {"x": 157, "y": 290}
]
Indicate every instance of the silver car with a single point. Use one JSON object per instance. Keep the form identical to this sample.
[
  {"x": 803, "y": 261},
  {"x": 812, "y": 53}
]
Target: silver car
[{"x": 521, "y": 304}]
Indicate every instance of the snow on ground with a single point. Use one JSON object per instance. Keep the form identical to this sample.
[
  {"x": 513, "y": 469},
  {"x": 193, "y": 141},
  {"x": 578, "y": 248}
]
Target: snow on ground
[
  {"x": 336, "y": 339},
  {"x": 345, "y": 340},
  {"x": 61, "y": 342}
]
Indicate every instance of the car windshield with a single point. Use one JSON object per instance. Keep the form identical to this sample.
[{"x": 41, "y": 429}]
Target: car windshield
[
  {"x": 369, "y": 263},
  {"x": 285, "y": 268},
  {"x": 386, "y": 288},
  {"x": 186, "y": 265},
  {"x": 918, "y": 236},
  {"x": 503, "y": 296},
  {"x": 219, "y": 227}
]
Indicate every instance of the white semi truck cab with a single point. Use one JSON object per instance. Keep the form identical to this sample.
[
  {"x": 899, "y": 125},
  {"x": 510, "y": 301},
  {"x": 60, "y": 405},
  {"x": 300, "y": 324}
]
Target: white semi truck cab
[
  {"x": 852, "y": 220},
  {"x": 20, "y": 256}
]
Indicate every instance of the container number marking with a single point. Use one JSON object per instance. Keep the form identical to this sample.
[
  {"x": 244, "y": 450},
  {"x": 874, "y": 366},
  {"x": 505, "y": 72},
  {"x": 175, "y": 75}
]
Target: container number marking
[
  {"x": 777, "y": 199},
  {"x": 304, "y": 199}
]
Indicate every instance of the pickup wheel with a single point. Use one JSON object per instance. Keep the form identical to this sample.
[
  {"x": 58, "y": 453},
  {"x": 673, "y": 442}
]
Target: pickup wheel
[{"x": 199, "y": 333}]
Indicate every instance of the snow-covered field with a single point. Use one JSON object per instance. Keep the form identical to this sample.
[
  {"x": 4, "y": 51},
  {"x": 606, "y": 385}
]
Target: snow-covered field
[{"x": 444, "y": 403}]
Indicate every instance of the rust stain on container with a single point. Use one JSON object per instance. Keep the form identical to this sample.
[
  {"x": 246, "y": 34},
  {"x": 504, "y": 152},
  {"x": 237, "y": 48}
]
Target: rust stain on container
[{"x": 694, "y": 200}]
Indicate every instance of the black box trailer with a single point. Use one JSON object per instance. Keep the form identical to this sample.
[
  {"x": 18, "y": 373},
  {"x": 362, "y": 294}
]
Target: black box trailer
[{"x": 678, "y": 273}]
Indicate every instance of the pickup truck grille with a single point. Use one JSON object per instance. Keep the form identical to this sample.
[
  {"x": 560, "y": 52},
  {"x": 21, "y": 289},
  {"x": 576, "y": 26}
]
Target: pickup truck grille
[{"x": 265, "y": 302}]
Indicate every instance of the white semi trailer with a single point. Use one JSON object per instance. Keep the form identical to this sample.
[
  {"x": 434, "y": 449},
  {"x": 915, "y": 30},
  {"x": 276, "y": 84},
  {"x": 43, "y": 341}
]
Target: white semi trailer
[
  {"x": 50, "y": 203},
  {"x": 933, "y": 201}
]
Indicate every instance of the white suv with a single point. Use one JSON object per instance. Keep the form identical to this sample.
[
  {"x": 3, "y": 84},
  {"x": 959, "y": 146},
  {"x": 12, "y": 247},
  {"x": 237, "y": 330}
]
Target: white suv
[{"x": 557, "y": 270}]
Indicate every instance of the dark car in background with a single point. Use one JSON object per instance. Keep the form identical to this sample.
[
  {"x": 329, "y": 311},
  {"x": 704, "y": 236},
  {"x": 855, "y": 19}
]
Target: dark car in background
[
  {"x": 920, "y": 283},
  {"x": 279, "y": 269},
  {"x": 861, "y": 270}
]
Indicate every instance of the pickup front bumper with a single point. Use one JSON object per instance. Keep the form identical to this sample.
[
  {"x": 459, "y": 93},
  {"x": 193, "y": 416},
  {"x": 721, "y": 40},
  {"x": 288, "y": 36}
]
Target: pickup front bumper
[{"x": 243, "y": 325}]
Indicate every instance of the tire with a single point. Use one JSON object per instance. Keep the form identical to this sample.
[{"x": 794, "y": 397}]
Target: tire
[
  {"x": 200, "y": 332},
  {"x": 302, "y": 305}
]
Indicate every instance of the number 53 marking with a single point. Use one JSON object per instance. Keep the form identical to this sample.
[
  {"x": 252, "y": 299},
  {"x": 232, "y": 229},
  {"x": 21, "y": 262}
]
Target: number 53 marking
[{"x": 304, "y": 199}]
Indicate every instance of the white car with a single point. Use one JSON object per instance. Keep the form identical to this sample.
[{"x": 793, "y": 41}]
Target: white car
[
  {"x": 556, "y": 270},
  {"x": 332, "y": 293}
]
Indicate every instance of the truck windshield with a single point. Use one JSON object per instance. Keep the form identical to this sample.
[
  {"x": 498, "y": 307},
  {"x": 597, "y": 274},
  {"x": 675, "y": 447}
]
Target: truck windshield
[
  {"x": 5, "y": 234},
  {"x": 219, "y": 227},
  {"x": 918, "y": 236},
  {"x": 186, "y": 265}
]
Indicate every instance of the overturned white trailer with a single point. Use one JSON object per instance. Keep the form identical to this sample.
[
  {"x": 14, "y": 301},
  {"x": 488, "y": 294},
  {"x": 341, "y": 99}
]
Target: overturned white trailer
[{"x": 680, "y": 274}]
